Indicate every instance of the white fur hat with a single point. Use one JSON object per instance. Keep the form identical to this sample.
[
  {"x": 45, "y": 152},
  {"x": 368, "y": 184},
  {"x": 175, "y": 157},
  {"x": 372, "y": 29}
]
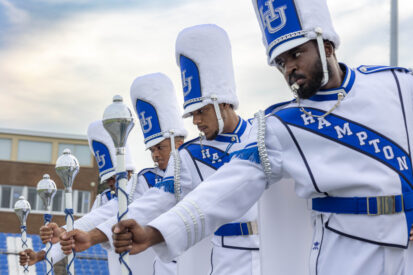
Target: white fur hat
[
  {"x": 102, "y": 147},
  {"x": 286, "y": 24},
  {"x": 203, "y": 53},
  {"x": 154, "y": 99}
]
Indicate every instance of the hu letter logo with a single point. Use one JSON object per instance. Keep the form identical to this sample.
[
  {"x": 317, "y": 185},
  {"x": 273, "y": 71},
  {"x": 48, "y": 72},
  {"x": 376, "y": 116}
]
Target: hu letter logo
[
  {"x": 100, "y": 159},
  {"x": 146, "y": 122},
  {"x": 186, "y": 83},
  {"x": 271, "y": 15}
]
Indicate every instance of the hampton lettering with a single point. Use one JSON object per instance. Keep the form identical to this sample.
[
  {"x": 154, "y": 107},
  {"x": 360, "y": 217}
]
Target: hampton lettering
[{"x": 362, "y": 136}]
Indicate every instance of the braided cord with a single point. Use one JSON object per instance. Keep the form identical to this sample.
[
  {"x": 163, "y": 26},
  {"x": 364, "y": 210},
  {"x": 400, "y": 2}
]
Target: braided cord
[
  {"x": 24, "y": 245},
  {"x": 49, "y": 262},
  {"x": 119, "y": 177},
  {"x": 262, "y": 150},
  {"x": 71, "y": 260},
  {"x": 123, "y": 262}
]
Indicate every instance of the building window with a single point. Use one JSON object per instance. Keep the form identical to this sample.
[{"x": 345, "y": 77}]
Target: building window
[
  {"x": 5, "y": 196},
  {"x": 37, "y": 203},
  {"x": 5, "y": 148},
  {"x": 81, "y": 152},
  {"x": 32, "y": 197},
  {"x": 83, "y": 201},
  {"x": 57, "y": 204},
  {"x": 9, "y": 195},
  {"x": 34, "y": 151}
]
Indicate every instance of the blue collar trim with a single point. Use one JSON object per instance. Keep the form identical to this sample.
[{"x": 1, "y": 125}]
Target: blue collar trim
[
  {"x": 345, "y": 87},
  {"x": 235, "y": 136}
]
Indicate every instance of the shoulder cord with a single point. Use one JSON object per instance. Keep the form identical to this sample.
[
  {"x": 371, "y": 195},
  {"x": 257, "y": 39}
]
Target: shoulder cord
[{"x": 262, "y": 150}]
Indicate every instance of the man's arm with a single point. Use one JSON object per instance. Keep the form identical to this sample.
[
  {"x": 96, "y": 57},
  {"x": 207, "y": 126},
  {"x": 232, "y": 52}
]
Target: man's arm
[
  {"x": 80, "y": 240},
  {"x": 31, "y": 257},
  {"x": 222, "y": 198},
  {"x": 214, "y": 202},
  {"x": 156, "y": 200}
]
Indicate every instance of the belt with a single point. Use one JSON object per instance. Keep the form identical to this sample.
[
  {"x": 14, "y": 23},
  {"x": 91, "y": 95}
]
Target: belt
[
  {"x": 238, "y": 229},
  {"x": 381, "y": 205}
]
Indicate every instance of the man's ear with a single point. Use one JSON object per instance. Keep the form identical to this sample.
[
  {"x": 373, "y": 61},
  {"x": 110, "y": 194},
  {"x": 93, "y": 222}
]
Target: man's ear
[{"x": 329, "y": 48}]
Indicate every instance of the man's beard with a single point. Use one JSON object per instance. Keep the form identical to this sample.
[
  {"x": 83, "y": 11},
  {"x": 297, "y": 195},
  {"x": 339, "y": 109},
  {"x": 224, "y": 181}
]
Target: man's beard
[
  {"x": 213, "y": 136},
  {"x": 314, "y": 81}
]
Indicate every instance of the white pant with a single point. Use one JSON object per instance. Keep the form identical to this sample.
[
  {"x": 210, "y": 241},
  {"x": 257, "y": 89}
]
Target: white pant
[
  {"x": 140, "y": 263},
  {"x": 162, "y": 268},
  {"x": 409, "y": 260},
  {"x": 237, "y": 261},
  {"x": 335, "y": 254}
]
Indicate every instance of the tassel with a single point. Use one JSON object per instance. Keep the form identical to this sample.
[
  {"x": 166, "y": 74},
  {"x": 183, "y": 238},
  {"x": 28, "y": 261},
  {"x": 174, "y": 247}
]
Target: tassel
[
  {"x": 250, "y": 154},
  {"x": 168, "y": 186}
]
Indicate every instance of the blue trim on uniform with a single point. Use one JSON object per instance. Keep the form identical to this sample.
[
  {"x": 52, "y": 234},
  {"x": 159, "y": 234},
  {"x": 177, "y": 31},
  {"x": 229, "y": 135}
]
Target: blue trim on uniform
[
  {"x": 251, "y": 154},
  {"x": 363, "y": 239},
  {"x": 152, "y": 178},
  {"x": 359, "y": 205},
  {"x": 185, "y": 144},
  {"x": 233, "y": 229},
  {"x": 341, "y": 130},
  {"x": 208, "y": 155},
  {"x": 346, "y": 85},
  {"x": 167, "y": 184},
  {"x": 369, "y": 69},
  {"x": 107, "y": 172},
  {"x": 300, "y": 151},
  {"x": 235, "y": 136},
  {"x": 108, "y": 194},
  {"x": 272, "y": 108},
  {"x": 196, "y": 100}
]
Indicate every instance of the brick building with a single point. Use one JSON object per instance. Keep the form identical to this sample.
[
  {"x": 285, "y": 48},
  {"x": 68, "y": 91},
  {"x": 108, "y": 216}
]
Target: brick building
[{"x": 24, "y": 157}]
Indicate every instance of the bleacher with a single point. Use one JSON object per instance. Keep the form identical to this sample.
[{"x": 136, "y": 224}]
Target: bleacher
[{"x": 91, "y": 261}]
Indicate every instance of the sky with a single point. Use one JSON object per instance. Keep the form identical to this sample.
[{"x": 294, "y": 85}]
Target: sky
[{"x": 61, "y": 61}]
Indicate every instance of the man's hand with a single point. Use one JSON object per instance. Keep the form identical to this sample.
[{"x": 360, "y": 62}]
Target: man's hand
[
  {"x": 30, "y": 257},
  {"x": 411, "y": 234},
  {"x": 129, "y": 235},
  {"x": 51, "y": 233},
  {"x": 80, "y": 240}
]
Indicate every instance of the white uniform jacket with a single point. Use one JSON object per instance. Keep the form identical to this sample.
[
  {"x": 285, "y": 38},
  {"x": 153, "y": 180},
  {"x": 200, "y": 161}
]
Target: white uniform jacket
[
  {"x": 361, "y": 150},
  {"x": 102, "y": 198},
  {"x": 199, "y": 159}
]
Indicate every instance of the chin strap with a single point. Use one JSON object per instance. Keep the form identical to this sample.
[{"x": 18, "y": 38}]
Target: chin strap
[
  {"x": 218, "y": 113},
  {"x": 295, "y": 88},
  {"x": 321, "y": 50}
]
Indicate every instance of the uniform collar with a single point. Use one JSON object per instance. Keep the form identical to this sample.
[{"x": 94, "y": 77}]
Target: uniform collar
[
  {"x": 108, "y": 194},
  {"x": 345, "y": 88},
  {"x": 236, "y": 135}
]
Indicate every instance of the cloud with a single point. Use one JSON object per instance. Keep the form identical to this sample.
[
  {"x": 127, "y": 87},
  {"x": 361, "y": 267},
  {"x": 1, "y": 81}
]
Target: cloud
[
  {"x": 61, "y": 76},
  {"x": 13, "y": 13}
]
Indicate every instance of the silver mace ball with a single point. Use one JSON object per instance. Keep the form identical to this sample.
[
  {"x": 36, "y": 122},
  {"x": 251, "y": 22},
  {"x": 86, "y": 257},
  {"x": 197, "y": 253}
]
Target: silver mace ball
[
  {"x": 46, "y": 189},
  {"x": 67, "y": 167},
  {"x": 22, "y": 209},
  {"x": 118, "y": 121}
]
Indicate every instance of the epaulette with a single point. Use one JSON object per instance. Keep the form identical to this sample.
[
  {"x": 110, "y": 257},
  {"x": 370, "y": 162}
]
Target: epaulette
[
  {"x": 143, "y": 171},
  {"x": 185, "y": 144},
  {"x": 369, "y": 69},
  {"x": 272, "y": 108}
]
